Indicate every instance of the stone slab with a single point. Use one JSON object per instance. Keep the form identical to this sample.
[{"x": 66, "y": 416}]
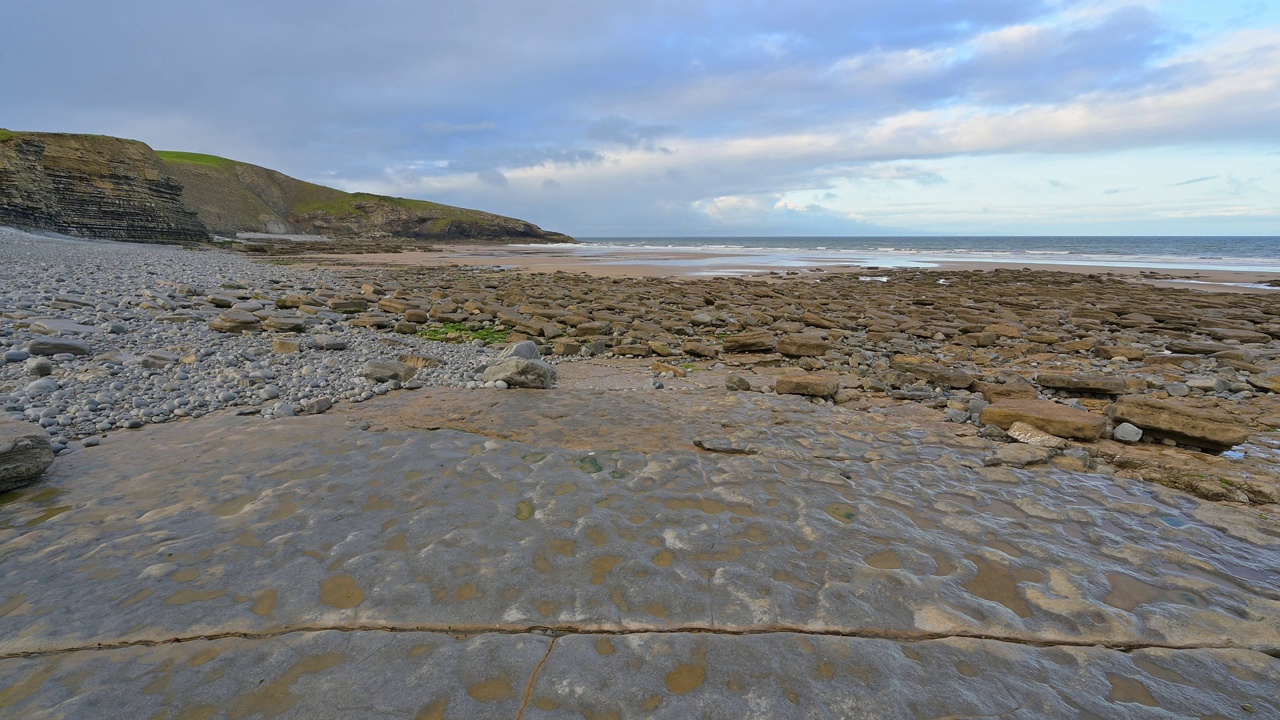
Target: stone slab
[{"x": 370, "y": 673}]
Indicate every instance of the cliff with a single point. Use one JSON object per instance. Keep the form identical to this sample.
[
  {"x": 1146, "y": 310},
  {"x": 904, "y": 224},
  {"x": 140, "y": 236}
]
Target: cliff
[
  {"x": 96, "y": 186},
  {"x": 232, "y": 197},
  {"x": 91, "y": 186}
]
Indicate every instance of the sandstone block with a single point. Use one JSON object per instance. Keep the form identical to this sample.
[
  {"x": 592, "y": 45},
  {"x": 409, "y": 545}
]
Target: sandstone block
[
  {"x": 751, "y": 341},
  {"x": 995, "y": 392},
  {"x": 1192, "y": 426},
  {"x": 1047, "y": 416},
  {"x": 236, "y": 321},
  {"x": 699, "y": 349},
  {"x": 803, "y": 345},
  {"x": 813, "y": 385},
  {"x": 1104, "y": 384},
  {"x": 932, "y": 373}
]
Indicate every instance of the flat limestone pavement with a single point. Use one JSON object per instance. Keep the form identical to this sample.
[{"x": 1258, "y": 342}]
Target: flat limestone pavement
[{"x": 535, "y": 554}]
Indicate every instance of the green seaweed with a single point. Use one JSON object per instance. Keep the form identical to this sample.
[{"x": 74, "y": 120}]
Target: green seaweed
[{"x": 462, "y": 334}]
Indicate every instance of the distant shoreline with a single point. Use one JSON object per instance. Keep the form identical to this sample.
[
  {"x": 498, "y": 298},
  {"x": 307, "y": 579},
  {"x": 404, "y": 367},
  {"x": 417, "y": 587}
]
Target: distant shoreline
[{"x": 675, "y": 262}]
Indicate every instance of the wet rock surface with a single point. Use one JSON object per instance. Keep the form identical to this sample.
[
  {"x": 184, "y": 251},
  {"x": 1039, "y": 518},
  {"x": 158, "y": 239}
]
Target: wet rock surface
[{"x": 845, "y": 560}]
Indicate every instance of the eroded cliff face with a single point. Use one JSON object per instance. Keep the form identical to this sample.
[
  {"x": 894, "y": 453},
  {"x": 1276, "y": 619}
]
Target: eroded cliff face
[
  {"x": 92, "y": 186},
  {"x": 382, "y": 218},
  {"x": 97, "y": 186}
]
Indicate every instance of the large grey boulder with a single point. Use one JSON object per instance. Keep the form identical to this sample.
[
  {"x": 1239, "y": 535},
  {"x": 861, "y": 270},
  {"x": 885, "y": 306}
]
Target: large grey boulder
[
  {"x": 518, "y": 372},
  {"x": 24, "y": 454},
  {"x": 526, "y": 349},
  {"x": 386, "y": 370},
  {"x": 49, "y": 345},
  {"x": 54, "y": 326}
]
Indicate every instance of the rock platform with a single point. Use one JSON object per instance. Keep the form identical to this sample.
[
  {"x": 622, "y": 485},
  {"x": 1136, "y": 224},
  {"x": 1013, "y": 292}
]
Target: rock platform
[{"x": 603, "y": 550}]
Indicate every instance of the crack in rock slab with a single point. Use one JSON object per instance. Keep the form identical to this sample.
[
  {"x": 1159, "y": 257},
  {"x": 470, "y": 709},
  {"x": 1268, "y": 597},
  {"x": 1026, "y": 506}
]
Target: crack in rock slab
[{"x": 664, "y": 675}]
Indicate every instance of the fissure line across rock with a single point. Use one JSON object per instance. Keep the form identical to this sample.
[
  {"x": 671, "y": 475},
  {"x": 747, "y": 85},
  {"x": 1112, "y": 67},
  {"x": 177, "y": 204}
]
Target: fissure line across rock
[{"x": 559, "y": 631}]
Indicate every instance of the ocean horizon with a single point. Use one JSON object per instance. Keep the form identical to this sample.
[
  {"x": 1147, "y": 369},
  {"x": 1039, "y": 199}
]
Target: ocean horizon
[{"x": 1228, "y": 253}]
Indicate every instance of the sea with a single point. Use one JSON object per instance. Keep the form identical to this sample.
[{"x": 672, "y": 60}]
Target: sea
[{"x": 1247, "y": 254}]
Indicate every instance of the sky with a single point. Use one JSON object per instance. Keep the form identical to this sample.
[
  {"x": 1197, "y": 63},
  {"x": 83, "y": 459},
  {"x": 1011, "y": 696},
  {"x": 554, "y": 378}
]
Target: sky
[{"x": 699, "y": 117}]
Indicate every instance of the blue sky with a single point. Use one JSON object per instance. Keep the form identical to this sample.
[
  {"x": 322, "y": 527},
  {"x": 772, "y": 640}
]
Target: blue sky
[{"x": 727, "y": 117}]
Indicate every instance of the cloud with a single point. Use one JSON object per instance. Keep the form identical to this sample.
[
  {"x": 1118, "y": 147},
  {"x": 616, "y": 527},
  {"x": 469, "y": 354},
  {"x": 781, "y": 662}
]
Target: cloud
[
  {"x": 630, "y": 134},
  {"x": 669, "y": 116},
  {"x": 493, "y": 178},
  {"x": 1193, "y": 181}
]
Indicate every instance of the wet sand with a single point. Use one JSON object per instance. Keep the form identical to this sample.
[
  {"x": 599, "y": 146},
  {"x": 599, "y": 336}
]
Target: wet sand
[{"x": 692, "y": 262}]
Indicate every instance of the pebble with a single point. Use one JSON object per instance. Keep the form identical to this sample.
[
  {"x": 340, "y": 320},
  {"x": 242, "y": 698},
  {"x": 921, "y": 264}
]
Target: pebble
[{"x": 144, "y": 367}]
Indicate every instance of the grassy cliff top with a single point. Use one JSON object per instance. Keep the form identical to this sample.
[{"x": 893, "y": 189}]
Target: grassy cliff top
[
  {"x": 305, "y": 197},
  {"x": 7, "y": 134}
]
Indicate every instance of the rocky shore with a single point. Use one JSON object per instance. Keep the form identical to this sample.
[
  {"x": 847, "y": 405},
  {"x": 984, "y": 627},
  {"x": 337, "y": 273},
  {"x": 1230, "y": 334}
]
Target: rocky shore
[
  {"x": 1156, "y": 382},
  {"x": 285, "y": 490}
]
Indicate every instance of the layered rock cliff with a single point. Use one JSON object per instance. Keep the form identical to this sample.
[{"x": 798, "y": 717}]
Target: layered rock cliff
[
  {"x": 96, "y": 186},
  {"x": 92, "y": 186},
  {"x": 233, "y": 197}
]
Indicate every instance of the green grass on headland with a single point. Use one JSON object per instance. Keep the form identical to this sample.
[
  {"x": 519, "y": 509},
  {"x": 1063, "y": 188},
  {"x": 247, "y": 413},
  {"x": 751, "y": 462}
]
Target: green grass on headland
[
  {"x": 195, "y": 159},
  {"x": 7, "y": 134},
  {"x": 346, "y": 205}
]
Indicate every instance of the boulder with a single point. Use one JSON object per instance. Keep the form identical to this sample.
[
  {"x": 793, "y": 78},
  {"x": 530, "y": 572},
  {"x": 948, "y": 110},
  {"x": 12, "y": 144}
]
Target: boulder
[
  {"x": 632, "y": 350},
  {"x": 813, "y": 385},
  {"x": 420, "y": 361},
  {"x": 1270, "y": 383},
  {"x": 328, "y": 342},
  {"x": 995, "y": 392},
  {"x": 348, "y": 304},
  {"x": 236, "y": 321},
  {"x": 386, "y": 370},
  {"x": 24, "y": 454},
  {"x": 289, "y": 302},
  {"x": 803, "y": 345},
  {"x": 159, "y": 359},
  {"x": 1244, "y": 336},
  {"x": 1195, "y": 348},
  {"x": 933, "y": 373},
  {"x": 1046, "y": 416},
  {"x": 47, "y": 345},
  {"x": 518, "y": 372},
  {"x": 695, "y": 348},
  {"x": 1024, "y": 433},
  {"x": 1126, "y": 433},
  {"x": 54, "y": 326},
  {"x": 285, "y": 323},
  {"x": 1171, "y": 420},
  {"x": 526, "y": 349},
  {"x": 1102, "y": 384},
  {"x": 1018, "y": 455},
  {"x": 751, "y": 341},
  {"x": 317, "y": 406}
]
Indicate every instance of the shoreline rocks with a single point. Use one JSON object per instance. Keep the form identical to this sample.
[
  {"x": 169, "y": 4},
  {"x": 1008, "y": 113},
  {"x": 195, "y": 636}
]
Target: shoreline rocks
[{"x": 24, "y": 454}]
